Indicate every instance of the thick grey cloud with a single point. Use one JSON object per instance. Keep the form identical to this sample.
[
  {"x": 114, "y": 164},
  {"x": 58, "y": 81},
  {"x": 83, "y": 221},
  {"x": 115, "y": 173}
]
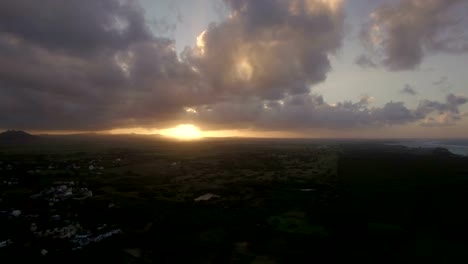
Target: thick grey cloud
[
  {"x": 404, "y": 33},
  {"x": 451, "y": 104},
  {"x": 41, "y": 90},
  {"x": 86, "y": 65},
  {"x": 301, "y": 112},
  {"x": 269, "y": 48},
  {"x": 83, "y": 26},
  {"x": 408, "y": 90},
  {"x": 444, "y": 113},
  {"x": 94, "y": 65},
  {"x": 443, "y": 118}
]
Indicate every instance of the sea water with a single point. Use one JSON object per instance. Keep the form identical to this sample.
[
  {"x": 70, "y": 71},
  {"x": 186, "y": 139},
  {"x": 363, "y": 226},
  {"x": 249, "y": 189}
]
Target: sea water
[{"x": 458, "y": 147}]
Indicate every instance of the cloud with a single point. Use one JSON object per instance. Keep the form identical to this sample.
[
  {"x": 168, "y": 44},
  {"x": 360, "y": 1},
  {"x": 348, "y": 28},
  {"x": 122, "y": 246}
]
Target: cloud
[
  {"x": 442, "y": 113},
  {"x": 269, "y": 48},
  {"x": 88, "y": 65},
  {"x": 456, "y": 100},
  {"x": 366, "y": 99},
  {"x": 403, "y": 34},
  {"x": 302, "y": 112},
  {"x": 408, "y": 90},
  {"x": 95, "y": 65},
  {"x": 451, "y": 104},
  {"x": 441, "y": 81},
  {"x": 441, "y": 120},
  {"x": 82, "y": 27},
  {"x": 101, "y": 92},
  {"x": 443, "y": 84},
  {"x": 365, "y": 61}
]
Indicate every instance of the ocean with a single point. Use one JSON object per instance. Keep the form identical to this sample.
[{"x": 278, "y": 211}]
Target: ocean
[{"x": 455, "y": 146}]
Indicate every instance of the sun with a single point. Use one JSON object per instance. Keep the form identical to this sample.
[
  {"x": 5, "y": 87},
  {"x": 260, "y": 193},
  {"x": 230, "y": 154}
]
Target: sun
[{"x": 183, "y": 131}]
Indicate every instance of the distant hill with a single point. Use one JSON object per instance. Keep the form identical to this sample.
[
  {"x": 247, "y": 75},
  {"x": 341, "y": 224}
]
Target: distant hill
[{"x": 15, "y": 136}]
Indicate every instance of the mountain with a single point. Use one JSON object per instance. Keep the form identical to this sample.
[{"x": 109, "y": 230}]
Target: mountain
[{"x": 15, "y": 136}]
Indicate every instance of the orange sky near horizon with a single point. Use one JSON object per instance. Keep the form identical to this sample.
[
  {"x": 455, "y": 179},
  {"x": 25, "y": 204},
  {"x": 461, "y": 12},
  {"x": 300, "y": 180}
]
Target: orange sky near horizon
[{"x": 411, "y": 131}]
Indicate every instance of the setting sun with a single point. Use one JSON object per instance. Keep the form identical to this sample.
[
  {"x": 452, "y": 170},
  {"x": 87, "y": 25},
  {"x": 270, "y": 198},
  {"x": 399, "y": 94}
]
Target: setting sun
[{"x": 184, "y": 131}]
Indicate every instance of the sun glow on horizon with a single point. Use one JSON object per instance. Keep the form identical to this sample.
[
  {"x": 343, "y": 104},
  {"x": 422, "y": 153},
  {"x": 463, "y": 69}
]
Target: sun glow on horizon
[{"x": 183, "y": 131}]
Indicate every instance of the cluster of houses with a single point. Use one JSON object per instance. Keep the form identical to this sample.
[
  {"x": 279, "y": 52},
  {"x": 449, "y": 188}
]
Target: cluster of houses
[
  {"x": 63, "y": 192},
  {"x": 5, "y": 243},
  {"x": 12, "y": 181},
  {"x": 58, "y": 228},
  {"x": 94, "y": 166},
  {"x": 7, "y": 167},
  {"x": 75, "y": 234},
  {"x": 81, "y": 241},
  {"x": 65, "y": 232},
  {"x": 58, "y": 225}
]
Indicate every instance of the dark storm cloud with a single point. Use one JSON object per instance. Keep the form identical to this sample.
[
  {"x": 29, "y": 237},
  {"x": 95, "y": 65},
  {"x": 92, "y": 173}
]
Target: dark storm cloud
[
  {"x": 73, "y": 26},
  {"x": 42, "y": 90},
  {"x": 94, "y": 65},
  {"x": 86, "y": 65},
  {"x": 408, "y": 90},
  {"x": 404, "y": 33}
]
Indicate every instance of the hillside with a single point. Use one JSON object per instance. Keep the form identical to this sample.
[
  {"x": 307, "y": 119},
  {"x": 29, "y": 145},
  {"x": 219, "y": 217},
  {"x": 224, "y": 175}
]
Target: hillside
[{"x": 15, "y": 136}]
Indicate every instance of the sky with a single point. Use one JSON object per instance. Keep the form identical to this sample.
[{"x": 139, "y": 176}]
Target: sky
[{"x": 263, "y": 68}]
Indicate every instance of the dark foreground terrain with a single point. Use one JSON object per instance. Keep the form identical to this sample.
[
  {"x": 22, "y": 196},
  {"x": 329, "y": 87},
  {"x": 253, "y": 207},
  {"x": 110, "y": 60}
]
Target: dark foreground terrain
[{"x": 92, "y": 199}]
